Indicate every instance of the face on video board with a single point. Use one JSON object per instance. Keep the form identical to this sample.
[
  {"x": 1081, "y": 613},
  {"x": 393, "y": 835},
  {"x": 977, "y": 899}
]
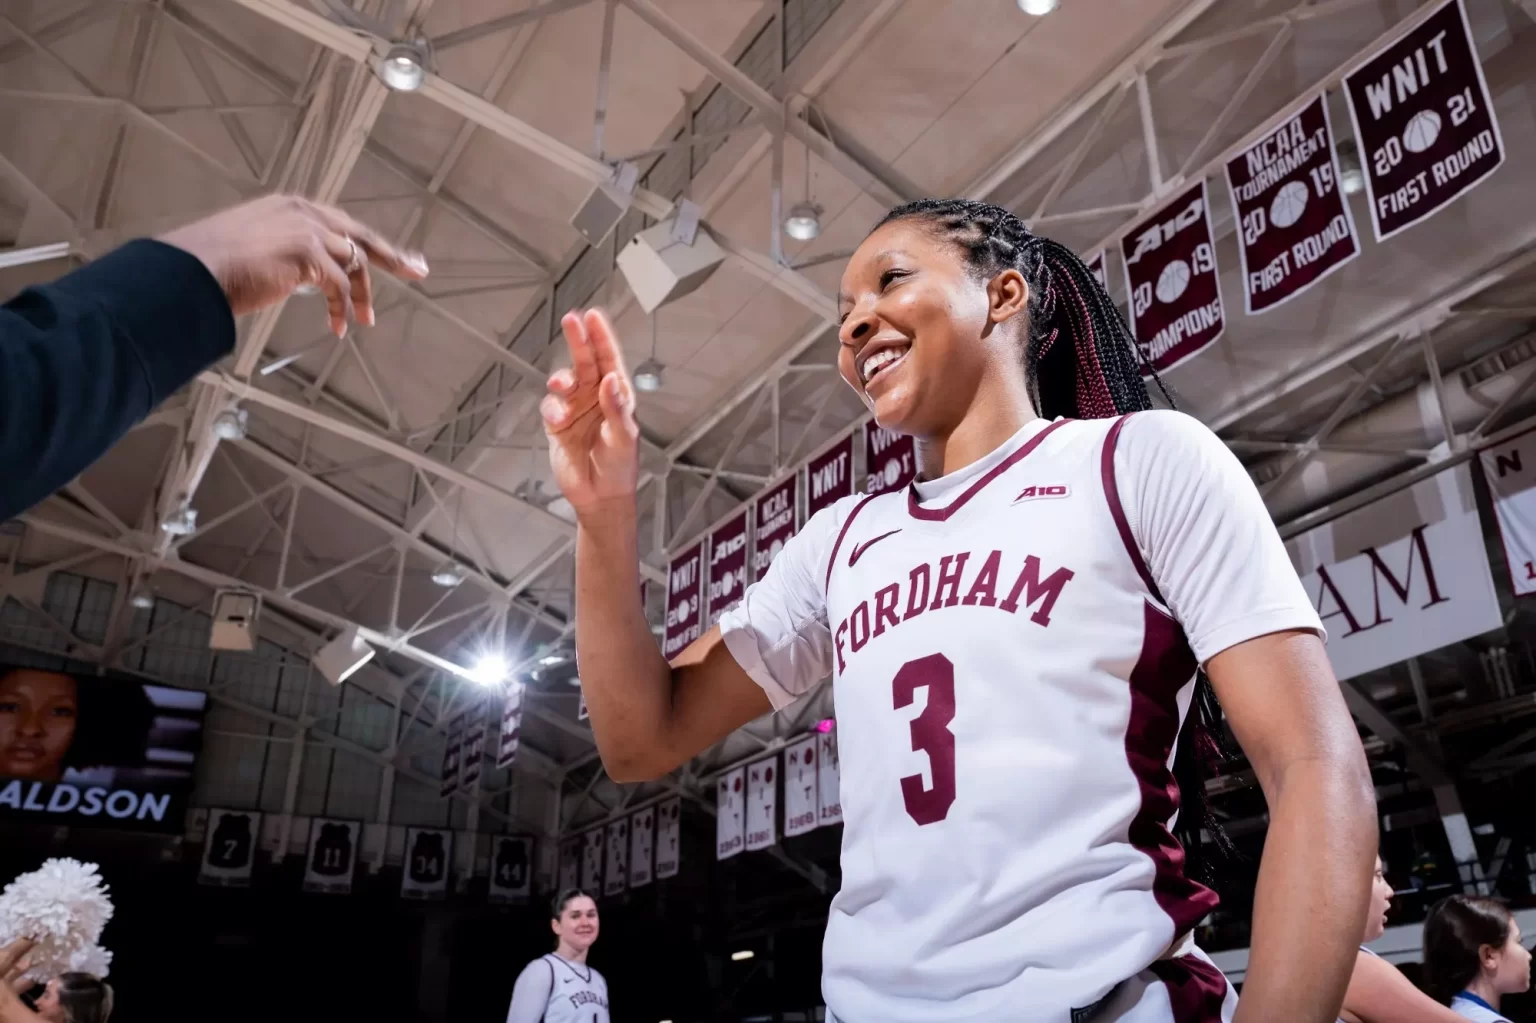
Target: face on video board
[{"x": 84, "y": 749}]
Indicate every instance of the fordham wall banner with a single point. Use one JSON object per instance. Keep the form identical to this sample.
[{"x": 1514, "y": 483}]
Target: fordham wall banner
[{"x": 1400, "y": 577}]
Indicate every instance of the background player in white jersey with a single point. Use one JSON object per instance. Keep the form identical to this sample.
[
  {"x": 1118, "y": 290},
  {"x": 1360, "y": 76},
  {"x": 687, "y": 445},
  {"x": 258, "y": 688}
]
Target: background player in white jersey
[
  {"x": 560, "y": 987},
  {"x": 1013, "y": 643},
  {"x": 1473, "y": 956}
]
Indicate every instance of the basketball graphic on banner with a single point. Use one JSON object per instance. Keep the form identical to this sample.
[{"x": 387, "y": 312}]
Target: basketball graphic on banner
[
  {"x": 1422, "y": 131},
  {"x": 1173, "y": 281},
  {"x": 1290, "y": 203}
]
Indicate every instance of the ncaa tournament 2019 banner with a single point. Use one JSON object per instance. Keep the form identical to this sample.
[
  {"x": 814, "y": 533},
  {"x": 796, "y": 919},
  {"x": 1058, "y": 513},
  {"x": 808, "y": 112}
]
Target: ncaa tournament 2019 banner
[
  {"x": 829, "y": 476},
  {"x": 229, "y": 851},
  {"x": 775, "y": 520},
  {"x": 727, "y": 565},
  {"x": 642, "y": 841},
  {"x": 1171, "y": 278},
  {"x": 511, "y": 868},
  {"x": 800, "y": 802},
  {"x": 1423, "y": 121},
  {"x": 332, "y": 858},
  {"x": 685, "y": 604},
  {"x": 1400, "y": 577},
  {"x": 89, "y": 751},
  {"x": 1510, "y": 469},
  {"x": 669, "y": 834},
  {"x": 1294, "y": 227},
  {"x": 890, "y": 460},
  {"x": 730, "y": 806}
]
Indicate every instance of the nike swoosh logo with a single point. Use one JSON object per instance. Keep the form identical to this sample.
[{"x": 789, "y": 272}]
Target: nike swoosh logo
[{"x": 859, "y": 549}]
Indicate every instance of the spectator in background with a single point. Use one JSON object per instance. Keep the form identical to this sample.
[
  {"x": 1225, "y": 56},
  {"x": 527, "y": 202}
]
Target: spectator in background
[
  {"x": 86, "y": 357},
  {"x": 1378, "y": 991},
  {"x": 1473, "y": 956},
  {"x": 70, "y": 998}
]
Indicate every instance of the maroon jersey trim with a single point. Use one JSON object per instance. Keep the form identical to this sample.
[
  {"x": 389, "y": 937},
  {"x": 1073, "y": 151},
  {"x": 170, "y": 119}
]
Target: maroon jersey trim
[
  {"x": 917, "y": 511},
  {"x": 1196, "y": 989},
  {"x": 842, "y": 533},
  {"x": 1117, "y": 510}
]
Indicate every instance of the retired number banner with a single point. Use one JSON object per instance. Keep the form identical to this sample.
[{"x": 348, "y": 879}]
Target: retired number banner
[
  {"x": 727, "y": 565},
  {"x": 332, "y": 856},
  {"x": 890, "y": 460},
  {"x": 729, "y": 813},
  {"x": 669, "y": 833},
  {"x": 685, "y": 605},
  {"x": 1423, "y": 122},
  {"x": 616, "y": 877},
  {"x": 592, "y": 860},
  {"x": 775, "y": 514},
  {"x": 642, "y": 842},
  {"x": 829, "y": 476},
  {"x": 800, "y": 786},
  {"x": 1294, "y": 226},
  {"x": 1171, "y": 278},
  {"x": 425, "y": 874},
  {"x": 1510, "y": 470},
  {"x": 511, "y": 868},
  {"x": 762, "y": 803},
  {"x": 229, "y": 851}
]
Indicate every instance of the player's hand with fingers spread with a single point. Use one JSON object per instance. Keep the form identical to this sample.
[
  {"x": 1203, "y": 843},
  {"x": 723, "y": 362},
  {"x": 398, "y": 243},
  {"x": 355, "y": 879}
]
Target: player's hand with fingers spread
[
  {"x": 589, "y": 417},
  {"x": 261, "y": 251}
]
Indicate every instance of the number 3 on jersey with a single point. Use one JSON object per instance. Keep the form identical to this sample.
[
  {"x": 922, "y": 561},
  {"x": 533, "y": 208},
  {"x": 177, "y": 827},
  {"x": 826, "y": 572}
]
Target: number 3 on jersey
[{"x": 930, "y": 735}]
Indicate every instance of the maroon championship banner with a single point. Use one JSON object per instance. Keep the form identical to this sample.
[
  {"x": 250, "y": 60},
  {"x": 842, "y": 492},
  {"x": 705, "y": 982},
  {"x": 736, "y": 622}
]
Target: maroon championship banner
[
  {"x": 473, "y": 751},
  {"x": 1098, "y": 265},
  {"x": 829, "y": 476},
  {"x": 1423, "y": 122},
  {"x": 775, "y": 514},
  {"x": 451, "y": 749},
  {"x": 1294, "y": 226},
  {"x": 727, "y": 565},
  {"x": 1170, "y": 275},
  {"x": 685, "y": 608},
  {"x": 890, "y": 459}
]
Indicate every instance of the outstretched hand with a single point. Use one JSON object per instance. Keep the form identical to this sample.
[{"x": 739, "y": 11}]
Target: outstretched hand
[
  {"x": 261, "y": 251},
  {"x": 589, "y": 417}
]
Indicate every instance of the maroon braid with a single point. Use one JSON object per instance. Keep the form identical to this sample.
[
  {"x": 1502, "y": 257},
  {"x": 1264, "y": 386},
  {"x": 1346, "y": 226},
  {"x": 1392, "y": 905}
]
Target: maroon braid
[{"x": 1097, "y": 373}]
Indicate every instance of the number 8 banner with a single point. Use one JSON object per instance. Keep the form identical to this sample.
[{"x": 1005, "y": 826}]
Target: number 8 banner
[{"x": 1170, "y": 275}]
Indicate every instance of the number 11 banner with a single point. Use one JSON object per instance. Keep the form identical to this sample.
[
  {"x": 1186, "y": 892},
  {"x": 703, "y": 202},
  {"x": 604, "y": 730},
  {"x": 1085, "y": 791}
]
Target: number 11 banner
[
  {"x": 1423, "y": 121},
  {"x": 1294, "y": 226},
  {"x": 1170, "y": 275}
]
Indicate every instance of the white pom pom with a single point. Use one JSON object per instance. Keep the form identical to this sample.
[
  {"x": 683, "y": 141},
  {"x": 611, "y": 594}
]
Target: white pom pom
[
  {"x": 91, "y": 959},
  {"x": 63, "y": 906}
]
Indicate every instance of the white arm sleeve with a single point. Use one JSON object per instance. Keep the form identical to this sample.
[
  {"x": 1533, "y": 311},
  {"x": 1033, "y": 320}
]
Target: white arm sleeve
[
  {"x": 530, "y": 995},
  {"x": 778, "y": 633},
  {"x": 1205, "y": 534}
]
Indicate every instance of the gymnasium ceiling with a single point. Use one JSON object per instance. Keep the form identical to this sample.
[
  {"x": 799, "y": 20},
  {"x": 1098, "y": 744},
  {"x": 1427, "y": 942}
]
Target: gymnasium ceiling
[{"x": 372, "y": 461}]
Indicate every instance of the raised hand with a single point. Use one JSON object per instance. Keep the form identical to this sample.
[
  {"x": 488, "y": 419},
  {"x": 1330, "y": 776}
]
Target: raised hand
[
  {"x": 261, "y": 251},
  {"x": 589, "y": 417}
]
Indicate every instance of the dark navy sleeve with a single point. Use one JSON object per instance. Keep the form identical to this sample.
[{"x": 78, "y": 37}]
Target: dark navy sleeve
[{"x": 86, "y": 357}]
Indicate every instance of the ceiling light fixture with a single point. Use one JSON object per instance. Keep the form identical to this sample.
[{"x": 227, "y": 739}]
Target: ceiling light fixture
[
  {"x": 404, "y": 67},
  {"x": 1352, "y": 180},
  {"x": 181, "y": 522},
  {"x": 1038, "y": 8},
  {"x": 231, "y": 423},
  {"x": 804, "y": 221},
  {"x": 490, "y": 670},
  {"x": 549, "y": 660},
  {"x": 742, "y": 956},
  {"x": 142, "y": 599},
  {"x": 648, "y": 375},
  {"x": 448, "y": 575}
]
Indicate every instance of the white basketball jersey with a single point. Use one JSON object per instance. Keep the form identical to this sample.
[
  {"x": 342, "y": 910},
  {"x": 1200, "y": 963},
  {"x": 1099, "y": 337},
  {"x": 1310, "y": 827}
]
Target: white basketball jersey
[
  {"x": 1009, "y": 689},
  {"x": 577, "y": 993}
]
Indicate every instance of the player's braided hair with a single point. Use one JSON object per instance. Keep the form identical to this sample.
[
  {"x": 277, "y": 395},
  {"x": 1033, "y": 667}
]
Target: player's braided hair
[{"x": 1080, "y": 362}]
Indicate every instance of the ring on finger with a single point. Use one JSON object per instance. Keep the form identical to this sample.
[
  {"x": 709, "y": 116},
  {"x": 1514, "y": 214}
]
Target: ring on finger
[{"x": 354, "y": 257}]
